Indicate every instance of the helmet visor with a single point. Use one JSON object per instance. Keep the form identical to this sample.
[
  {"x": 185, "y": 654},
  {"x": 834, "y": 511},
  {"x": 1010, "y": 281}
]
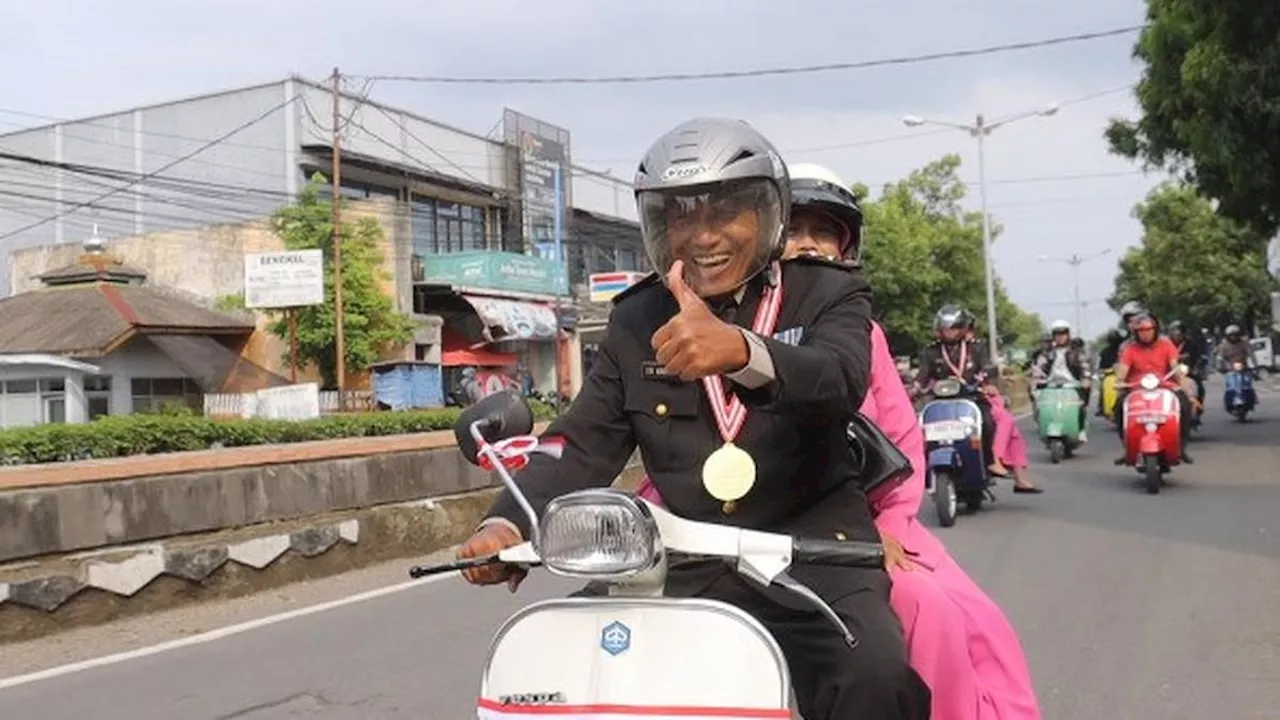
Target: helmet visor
[{"x": 725, "y": 233}]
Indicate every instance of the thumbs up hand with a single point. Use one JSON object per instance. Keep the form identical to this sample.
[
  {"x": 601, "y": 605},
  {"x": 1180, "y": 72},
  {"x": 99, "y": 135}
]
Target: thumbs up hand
[{"x": 695, "y": 343}]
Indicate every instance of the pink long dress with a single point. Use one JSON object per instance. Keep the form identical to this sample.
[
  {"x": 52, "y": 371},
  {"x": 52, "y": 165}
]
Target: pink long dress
[
  {"x": 1010, "y": 446},
  {"x": 957, "y": 637}
]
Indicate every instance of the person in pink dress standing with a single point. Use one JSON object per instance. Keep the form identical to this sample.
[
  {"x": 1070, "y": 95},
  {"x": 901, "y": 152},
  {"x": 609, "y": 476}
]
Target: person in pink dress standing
[{"x": 958, "y": 639}]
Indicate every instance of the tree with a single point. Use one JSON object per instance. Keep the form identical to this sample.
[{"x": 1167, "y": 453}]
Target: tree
[
  {"x": 1193, "y": 264},
  {"x": 1210, "y": 103},
  {"x": 371, "y": 324},
  {"x": 924, "y": 250}
]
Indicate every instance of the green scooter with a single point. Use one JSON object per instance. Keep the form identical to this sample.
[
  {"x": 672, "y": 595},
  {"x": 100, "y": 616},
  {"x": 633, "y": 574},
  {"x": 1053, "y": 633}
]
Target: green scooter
[{"x": 1058, "y": 418}]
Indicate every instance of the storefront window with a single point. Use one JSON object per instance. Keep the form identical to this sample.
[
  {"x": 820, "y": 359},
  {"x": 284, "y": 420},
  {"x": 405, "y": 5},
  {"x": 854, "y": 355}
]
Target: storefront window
[{"x": 422, "y": 216}]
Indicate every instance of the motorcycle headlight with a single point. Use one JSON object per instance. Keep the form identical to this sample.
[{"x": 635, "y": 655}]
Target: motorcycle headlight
[
  {"x": 600, "y": 534},
  {"x": 1149, "y": 382}
]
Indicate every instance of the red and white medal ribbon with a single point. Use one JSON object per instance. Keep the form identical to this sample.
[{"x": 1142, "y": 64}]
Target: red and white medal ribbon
[
  {"x": 730, "y": 413},
  {"x": 514, "y": 452}
]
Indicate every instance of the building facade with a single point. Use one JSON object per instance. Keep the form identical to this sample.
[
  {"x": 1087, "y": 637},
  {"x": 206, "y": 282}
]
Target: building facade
[{"x": 494, "y": 235}]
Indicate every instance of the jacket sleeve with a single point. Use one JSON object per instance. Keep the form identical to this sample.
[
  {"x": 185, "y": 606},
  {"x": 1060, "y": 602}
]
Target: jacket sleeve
[
  {"x": 598, "y": 441},
  {"x": 889, "y": 406},
  {"x": 828, "y": 372}
]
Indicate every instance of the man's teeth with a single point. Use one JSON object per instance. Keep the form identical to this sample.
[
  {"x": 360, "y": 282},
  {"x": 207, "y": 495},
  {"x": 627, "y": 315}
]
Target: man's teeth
[{"x": 710, "y": 260}]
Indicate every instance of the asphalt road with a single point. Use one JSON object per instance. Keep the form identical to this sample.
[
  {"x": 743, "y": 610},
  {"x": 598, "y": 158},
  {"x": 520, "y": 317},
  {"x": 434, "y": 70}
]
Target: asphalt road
[{"x": 1130, "y": 607}]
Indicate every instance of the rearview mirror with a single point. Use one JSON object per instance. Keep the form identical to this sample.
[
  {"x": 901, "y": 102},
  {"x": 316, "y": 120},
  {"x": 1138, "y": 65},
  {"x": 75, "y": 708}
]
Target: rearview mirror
[{"x": 500, "y": 416}]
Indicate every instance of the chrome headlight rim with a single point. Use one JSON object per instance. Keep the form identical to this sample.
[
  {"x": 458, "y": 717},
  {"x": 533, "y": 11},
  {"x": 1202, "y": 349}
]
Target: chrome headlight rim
[{"x": 597, "y": 497}]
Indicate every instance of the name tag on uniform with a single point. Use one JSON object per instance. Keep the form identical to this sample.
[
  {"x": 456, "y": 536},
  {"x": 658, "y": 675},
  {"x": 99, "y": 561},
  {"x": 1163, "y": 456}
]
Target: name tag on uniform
[
  {"x": 653, "y": 370},
  {"x": 790, "y": 336}
]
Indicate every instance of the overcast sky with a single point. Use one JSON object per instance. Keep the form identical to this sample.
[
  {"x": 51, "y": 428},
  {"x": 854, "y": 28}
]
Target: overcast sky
[{"x": 71, "y": 58}]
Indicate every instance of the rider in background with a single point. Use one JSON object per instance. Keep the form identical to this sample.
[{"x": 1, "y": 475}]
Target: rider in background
[
  {"x": 1151, "y": 352},
  {"x": 1191, "y": 354},
  {"x": 1066, "y": 364},
  {"x": 952, "y": 355},
  {"x": 1234, "y": 348}
]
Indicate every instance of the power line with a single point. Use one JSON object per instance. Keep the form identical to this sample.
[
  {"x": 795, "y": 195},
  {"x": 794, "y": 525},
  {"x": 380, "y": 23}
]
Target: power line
[
  {"x": 760, "y": 72},
  {"x": 89, "y": 203}
]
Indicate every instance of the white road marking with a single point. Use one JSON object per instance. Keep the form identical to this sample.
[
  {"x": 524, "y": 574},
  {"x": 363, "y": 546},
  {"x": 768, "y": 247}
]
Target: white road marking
[{"x": 217, "y": 634}]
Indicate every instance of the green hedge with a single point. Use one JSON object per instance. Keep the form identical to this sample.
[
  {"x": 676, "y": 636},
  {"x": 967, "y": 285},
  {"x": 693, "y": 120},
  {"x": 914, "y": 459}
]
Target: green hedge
[{"x": 148, "y": 434}]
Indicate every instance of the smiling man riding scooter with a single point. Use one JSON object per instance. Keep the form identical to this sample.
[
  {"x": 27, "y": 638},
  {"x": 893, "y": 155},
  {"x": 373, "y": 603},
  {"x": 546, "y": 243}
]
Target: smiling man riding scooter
[{"x": 709, "y": 350}]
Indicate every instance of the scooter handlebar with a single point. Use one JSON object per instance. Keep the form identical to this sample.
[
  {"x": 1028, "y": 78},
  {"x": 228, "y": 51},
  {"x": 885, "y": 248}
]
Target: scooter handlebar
[{"x": 856, "y": 554}]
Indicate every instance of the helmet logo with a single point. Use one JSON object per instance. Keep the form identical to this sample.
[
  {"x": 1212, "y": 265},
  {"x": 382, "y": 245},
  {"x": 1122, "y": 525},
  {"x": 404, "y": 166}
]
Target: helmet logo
[{"x": 681, "y": 172}]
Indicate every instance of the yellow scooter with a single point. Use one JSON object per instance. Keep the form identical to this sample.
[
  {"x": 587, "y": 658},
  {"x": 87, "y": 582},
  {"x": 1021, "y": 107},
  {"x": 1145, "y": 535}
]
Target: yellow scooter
[{"x": 1109, "y": 394}]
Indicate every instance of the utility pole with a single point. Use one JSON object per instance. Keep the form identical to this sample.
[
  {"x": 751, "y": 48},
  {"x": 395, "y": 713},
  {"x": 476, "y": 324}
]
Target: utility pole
[{"x": 336, "y": 181}]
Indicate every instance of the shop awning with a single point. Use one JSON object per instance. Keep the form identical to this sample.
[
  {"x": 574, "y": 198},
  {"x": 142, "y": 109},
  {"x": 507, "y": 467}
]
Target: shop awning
[
  {"x": 455, "y": 351},
  {"x": 513, "y": 319}
]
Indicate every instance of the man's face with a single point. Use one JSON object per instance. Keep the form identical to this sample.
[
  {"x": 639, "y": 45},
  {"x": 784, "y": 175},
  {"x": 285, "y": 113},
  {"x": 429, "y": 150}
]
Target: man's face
[
  {"x": 718, "y": 240},
  {"x": 813, "y": 233},
  {"x": 1146, "y": 333},
  {"x": 1175, "y": 335},
  {"x": 1061, "y": 338},
  {"x": 953, "y": 334}
]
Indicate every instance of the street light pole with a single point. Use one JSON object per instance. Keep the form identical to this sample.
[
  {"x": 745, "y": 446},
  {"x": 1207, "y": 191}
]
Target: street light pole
[
  {"x": 979, "y": 130},
  {"x": 1075, "y": 261}
]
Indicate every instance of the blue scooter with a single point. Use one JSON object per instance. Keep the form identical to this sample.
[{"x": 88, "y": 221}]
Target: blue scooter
[
  {"x": 1239, "y": 398},
  {"x": 956, "y": 473}
]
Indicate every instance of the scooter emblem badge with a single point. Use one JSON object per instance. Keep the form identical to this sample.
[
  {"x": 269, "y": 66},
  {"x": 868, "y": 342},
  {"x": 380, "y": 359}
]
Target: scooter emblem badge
[{"x": 615, "y": 639}]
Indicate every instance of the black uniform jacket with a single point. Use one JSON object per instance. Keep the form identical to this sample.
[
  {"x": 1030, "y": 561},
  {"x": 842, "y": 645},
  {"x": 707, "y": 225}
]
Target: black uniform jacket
[
  {"x": 795, "y": 429},
  {"x": 977, "y": 365}
]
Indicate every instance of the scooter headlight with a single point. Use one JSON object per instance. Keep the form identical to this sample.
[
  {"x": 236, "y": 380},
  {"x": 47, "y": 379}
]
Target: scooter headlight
[
  {"x": 1149, "y": 382},
  {"x": 600, "y": 534}
]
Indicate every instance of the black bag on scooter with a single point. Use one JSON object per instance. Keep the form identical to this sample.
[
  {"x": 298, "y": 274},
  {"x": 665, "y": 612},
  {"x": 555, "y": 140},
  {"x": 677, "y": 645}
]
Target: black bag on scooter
[{"x": 881, "y": 465}]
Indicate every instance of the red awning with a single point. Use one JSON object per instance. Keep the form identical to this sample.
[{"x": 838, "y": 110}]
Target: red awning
[{"x": 457, "y": 352}]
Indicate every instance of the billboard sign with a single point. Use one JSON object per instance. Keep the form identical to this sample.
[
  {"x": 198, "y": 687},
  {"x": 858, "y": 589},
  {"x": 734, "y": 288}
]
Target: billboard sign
[
  {"x": 543, "y": 176},
  {"x": 293, "y": 278}
]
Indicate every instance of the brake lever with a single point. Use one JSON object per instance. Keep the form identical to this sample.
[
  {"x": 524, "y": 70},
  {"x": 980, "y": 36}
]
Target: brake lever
[{"x": 786, "y": 582}]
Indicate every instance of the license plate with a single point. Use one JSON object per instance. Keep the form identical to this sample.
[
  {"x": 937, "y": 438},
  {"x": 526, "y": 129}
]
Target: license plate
[
  {"x": 1054, "y": 430},
  {"x": 1144, "y": 419},
  {"x": 946, "y": 431}
]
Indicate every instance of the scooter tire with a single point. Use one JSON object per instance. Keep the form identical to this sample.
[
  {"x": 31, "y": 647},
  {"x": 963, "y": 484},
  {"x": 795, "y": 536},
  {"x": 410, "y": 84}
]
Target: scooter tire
[
  {"x": 1057, "y": 451},
  {"x": 945, "y": 500},
  {"x": 1152, "y": 477}
]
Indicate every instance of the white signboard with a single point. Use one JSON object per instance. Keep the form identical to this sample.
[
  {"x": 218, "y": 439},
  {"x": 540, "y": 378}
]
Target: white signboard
[
  {"x": 291, "y": 402},
  {"x": 293, "y": 278}
]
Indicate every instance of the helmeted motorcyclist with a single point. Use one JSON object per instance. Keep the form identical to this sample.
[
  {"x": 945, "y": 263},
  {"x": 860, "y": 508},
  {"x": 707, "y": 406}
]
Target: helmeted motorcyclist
[
  {"x": 1064, "y": 363},
  {"x": 1150, "y": 352},
  {"x": 1191, "y": 353},
  {"x": 1234, "y": 348},
  {"x": 952, "y": 355},
  {"x": 1128, "y": 312}
]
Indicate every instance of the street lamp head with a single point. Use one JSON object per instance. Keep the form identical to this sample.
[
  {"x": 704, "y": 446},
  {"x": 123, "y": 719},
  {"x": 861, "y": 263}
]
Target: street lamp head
[
  {"x": 912, "y": 120},
  {"x": 1051, "y": 110}
]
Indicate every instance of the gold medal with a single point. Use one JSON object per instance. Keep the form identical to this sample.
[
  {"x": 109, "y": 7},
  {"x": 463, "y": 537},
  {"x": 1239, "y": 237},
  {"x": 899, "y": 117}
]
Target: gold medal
[{"x": 729, "y": 473}]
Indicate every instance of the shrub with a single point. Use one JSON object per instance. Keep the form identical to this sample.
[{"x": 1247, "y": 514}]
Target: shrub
[{"x": 152, "y": 433}]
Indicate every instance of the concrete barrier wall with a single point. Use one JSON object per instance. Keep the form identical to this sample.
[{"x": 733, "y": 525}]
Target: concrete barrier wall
[{"x": 65, "y": 507}]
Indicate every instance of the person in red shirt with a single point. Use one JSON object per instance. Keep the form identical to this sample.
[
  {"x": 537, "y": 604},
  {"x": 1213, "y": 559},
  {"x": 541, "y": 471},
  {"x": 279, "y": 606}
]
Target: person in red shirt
[{"x": 1149, "y": 352}]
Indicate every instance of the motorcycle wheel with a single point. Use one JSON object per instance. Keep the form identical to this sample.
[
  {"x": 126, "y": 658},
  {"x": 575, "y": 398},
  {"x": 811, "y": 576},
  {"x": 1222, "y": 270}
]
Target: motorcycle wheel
[
  {"x": 1151, "y": 474},
  {"x": 1242, "y": 414},
  {"x": 944, "y": 498},
  {"x": 1057, "y": 450}
]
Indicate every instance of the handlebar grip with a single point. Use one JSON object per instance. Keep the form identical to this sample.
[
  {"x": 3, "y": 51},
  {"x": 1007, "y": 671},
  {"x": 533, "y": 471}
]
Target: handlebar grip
[{"x": 842, "y": 553}]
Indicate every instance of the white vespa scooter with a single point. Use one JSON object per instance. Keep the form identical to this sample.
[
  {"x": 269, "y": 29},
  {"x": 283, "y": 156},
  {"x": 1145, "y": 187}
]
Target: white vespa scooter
[{"x": 632, "y": 653}]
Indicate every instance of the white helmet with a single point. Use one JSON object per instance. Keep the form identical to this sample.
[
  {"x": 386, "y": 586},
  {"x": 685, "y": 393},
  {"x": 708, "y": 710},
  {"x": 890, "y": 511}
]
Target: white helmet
[
  {"x": 817, "y": 187},
  {"x": 1060, "y": 326}
]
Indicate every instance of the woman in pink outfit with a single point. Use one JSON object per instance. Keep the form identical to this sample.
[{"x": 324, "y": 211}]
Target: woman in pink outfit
[
  {"x": 957, "y": 638},
  {"x": 1010, "y": 445}
]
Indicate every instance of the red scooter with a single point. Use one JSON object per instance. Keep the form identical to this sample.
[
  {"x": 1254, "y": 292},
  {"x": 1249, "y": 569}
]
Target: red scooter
[{"x": 1152, "y": 430}]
